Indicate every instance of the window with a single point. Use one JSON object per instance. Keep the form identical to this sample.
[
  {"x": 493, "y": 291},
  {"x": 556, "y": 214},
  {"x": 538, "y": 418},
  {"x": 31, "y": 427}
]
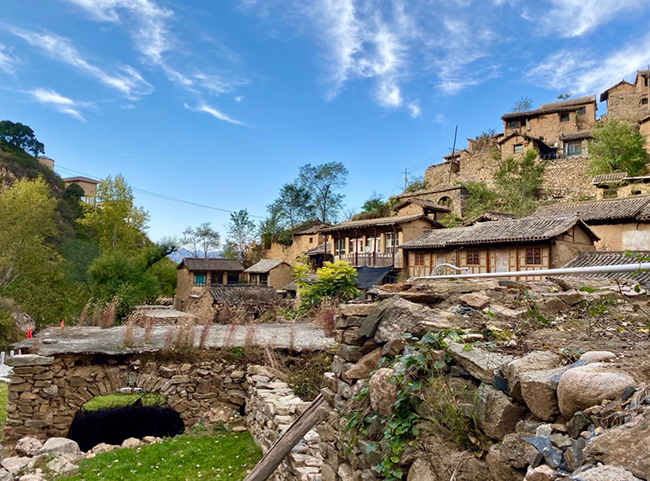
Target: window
[
  {"x": 419, "y": 258},
  {"x": 264, "y": 279},
  {"x": 534, "y": 256},
  {"x": 311, "y": 240},
  {"x": 513, "y": 124},
  {"x": 564, "y": 117},
  {"x": 573, "y": 148},
  {"x": 644, "y": 101},
  {"x": 233, "y": 278},
  {"x": 390, "y": 243},
  {"x": 216, "y": 278},
  {"x": 199, "y": 280},
  {"x": 351, "y": 248},
  {"x": 518, "y": 148},
  {"x": 339, "y": 246},
  {"x": 582, "y": 111},
  {"x": 473, "y": 258}
]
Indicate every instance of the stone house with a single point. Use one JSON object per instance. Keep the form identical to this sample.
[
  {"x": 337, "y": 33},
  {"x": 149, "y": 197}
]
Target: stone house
[
  {"x": 501, "y": 246},
  {"x": 195, "y": 276},
  {"x": 302, "y": 241},
  {"x": 270, "y": 272},
  {"x": 450, "y": 197},
  {"x": 47, "y": 162},
  {"x": 619, "y": 223},
  {"x": 88, "y": 185},
  {"x": 620, "y": 184},
  {"x": 556, "y": 129},
  {"x": 418, "y": 205},
  {"x": 377, "y": 242},
  {"x": 626, "y": 101}
]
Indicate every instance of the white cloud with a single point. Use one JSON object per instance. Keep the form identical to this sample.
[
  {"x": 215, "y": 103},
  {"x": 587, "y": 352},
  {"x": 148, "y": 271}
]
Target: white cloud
[
  {"x": 7, "y": 61},
  {"x": 59, "y": 102},
  {"x": 573, "y": 18},
  {"x": 414, "y": 109},
  {"x": 215, "y": 113},
  {"x": 127, "y": 80},
  {"x": 239, "y": 98},
  {"x": 583, "y": 73}
]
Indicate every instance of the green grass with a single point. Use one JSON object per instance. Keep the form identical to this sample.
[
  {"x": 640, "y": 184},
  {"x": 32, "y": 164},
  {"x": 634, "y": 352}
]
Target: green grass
[
  {"x": 217, "y": 457},
  {"x": 4, "y": 389},
  {"x": 115, "y": 400}
]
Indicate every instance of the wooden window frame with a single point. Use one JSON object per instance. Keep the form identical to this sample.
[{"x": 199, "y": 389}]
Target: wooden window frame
[
  {"x": 534, "y": 256},
  {"x": 199, "y": 284},
  {"x": 565, "y": 117},
  {"x": 418, "y": 259},
  {"x": 263, "y": 279},
  {"x": 473, "y": 257},
  {"x": 515, "y": 151}
]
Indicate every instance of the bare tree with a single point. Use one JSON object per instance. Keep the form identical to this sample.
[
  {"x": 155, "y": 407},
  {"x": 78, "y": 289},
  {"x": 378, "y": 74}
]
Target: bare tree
[{"x": 201, "y": 240}]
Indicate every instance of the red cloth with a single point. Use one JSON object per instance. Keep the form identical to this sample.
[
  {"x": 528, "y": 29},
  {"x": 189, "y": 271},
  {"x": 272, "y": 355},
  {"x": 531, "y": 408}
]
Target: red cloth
[
  {"x": 62, "y": 322},
  {"x": 29, "y": 332}
]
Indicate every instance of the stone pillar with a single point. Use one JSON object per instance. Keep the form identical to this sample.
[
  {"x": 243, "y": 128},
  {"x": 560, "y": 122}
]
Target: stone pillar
[{"x": 30, "y": 389}]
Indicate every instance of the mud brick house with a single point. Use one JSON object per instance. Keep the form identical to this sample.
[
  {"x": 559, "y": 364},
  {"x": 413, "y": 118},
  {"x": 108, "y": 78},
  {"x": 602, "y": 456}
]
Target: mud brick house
[
  {"x": 620, "y": 223},
  {"x": 270, "y": 272},
  {"x": 196, "y": 275},
  {"x": 307, "y": 237},
  {"x": 620, "y": 184},
  {"x": 88, "y": 185},
  {"x": 416, "y": 205},
  {"x": 377, "y": 242},
  {"x": 501, "y": 246},
  {"x": 556, "y": 129},
  {"x": 449, "y": 197},
  {"x": 627, "y": 101},
  {"x": 319, "y": 255}
]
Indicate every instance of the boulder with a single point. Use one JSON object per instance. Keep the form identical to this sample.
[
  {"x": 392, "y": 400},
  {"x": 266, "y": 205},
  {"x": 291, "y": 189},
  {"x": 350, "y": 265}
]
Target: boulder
[
  {"x": 585, "y": 386},
  {"x": 356, "y": 310},
  {"x": 366, "y": 364},
  {"x": 540, "y": 473},
  {"x": 479, "y": 363},
  {"x": 102, "y": 448},
  {"x": 61, "y": 446},
  {"x": 475, "y": 300},
  {"x": 26, "y": 477},
  {"x": 62, "y": 465},
  {"x": 614, "y": 446},
  {"x": 28, "y": 360},
  {"x": 5, "y": 475},
  {"x": 131, "y": 443},
  {"x": 496, "y": 414},
  {"x": 15, "y": 463},
  {"x": 605, "y": 473},
  {"x": 534, "y": 361},
  {"x": 396, "y": 316},
  {"x": 538, "y": 391},
  {"x": 382, "y": 392},
  {"x": 421, "y": 470},
  {"x": 28, "y": 446},
  {"x": 598, "y": 356}
]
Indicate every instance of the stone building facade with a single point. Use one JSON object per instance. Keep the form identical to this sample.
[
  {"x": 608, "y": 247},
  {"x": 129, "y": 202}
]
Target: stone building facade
[{"x": 627, "y": 101}]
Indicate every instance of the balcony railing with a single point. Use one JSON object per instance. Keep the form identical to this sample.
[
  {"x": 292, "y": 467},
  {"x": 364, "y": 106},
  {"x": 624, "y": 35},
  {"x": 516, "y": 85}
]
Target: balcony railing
[{"x": 359, "y": 259}]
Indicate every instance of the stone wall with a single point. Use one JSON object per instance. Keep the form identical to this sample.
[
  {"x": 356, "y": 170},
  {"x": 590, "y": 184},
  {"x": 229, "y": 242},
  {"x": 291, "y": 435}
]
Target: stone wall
[
  {"x": 270, "y": 409},
  {"x": 45, "y": 393}
]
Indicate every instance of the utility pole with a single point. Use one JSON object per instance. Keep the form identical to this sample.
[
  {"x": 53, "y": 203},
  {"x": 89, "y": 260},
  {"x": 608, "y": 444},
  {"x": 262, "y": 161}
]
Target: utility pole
[
  {"x": 406, "y": 178},
  {"x": 453, "y": 151}
]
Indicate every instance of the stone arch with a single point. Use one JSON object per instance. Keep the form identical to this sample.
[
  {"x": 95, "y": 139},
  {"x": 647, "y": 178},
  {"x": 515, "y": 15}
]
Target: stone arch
[
  {"x": 46, "y": 392},
  {"x": 446, "y": 201}
]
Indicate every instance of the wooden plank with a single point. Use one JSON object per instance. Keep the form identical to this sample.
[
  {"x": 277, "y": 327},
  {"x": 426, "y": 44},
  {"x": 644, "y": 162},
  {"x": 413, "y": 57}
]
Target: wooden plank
[{"x": 292, "y": 436}]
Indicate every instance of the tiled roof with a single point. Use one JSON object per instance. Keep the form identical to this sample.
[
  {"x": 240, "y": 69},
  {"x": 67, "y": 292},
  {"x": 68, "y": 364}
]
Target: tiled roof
[
  {"x": 380, "y": 222},
  {"x": 553, "y": 107},
  {"x": 315, "y": 227},
  {"x": 211, "y": 264},
  {"x": 264, "y": 266},
  {"x": 605, "y": 178},
  {"x": 319, "y": 249},
  {"x": 583, "y": 134},
  {"x": 244, "y": 295},
  {"x": 529, "y": 229},
  {"x": 598, "y": 210},
  {"x": 429, "y": 204},
  {"x": 610, "y": 258},
  {"x": 491, "y": 216}
]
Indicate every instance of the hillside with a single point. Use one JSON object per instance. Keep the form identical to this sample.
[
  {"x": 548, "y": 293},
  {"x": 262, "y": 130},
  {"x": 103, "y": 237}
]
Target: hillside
[{"x": 16, "y": 164}]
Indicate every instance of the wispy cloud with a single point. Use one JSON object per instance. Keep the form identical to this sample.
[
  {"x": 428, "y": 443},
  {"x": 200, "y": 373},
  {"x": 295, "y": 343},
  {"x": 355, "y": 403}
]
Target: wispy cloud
[
  {"x": 126, "y": 80},
  {"x": 215, "y": 113},
  {"x": 414, "y": 109},
  {"x": 59, "y": 102},
  {"x": 8, "y": 61}
]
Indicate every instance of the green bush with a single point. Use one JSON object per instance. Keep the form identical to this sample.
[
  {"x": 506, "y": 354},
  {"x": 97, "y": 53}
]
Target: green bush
[{"x": 334, "y": 281}]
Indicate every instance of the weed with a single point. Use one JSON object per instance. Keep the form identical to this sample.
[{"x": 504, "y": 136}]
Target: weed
[
  {"x": 149, "y": 324},
  {"x": 128, "y": 335},
  {"x": 107, "y": 317},
  {"x": 249, "y": 339},
  {"x": 205, "y": 330},
  {"x": 184, "y": 340},
  {"x": 170, "y": 335}
]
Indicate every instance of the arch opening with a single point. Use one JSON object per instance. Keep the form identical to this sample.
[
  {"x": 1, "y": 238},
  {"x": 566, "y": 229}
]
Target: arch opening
[{"x": 115, "y": 417}]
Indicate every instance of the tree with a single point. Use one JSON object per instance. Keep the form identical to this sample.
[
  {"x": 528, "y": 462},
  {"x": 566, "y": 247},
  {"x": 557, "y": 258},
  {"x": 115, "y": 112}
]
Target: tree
[
  {"x": 617, "y": 147},
  {"x": 373, "y": 208},
  {"x": 523, "y": 104},
  {"x": 241, "y": 232},
  {"x": 564, "y": 96},
  {"x": 518, "y": 182},
  {"x": 415, "y": 184},
  {"x": 322, "y": 181},
  {"x": 117, "y": 222},
  {"x": 21, "y": 136},
  {"x": 201, "y": 240},
  {"x": 294, "y": 205},
  {"x": 272, "y": 230}
]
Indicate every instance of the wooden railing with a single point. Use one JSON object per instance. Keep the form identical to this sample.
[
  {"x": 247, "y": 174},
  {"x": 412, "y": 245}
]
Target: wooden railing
[{"x": 359, "y": 259}]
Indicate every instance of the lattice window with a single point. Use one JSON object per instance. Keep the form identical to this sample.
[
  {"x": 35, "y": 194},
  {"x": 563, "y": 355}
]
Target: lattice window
[
  {"x": 473, "y": 258},
  {"x": 534, "y": 256},
  {"x": 419, "y": 258},
  {"x": 199, "y": 280}
]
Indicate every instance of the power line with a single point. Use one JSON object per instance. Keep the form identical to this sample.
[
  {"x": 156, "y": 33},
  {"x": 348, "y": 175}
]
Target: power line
[{"x": 163, "y": 196}]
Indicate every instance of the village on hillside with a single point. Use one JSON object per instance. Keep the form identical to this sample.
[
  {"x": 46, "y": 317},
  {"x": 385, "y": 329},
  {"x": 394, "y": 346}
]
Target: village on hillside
[{"x": 489, "y": 323}]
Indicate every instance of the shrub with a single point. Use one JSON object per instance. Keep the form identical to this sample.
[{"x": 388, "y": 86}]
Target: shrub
[{"x": 334, "y": 281}]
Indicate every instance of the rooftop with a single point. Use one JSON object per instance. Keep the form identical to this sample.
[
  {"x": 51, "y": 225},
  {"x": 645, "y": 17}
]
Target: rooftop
[
  {"x": 598, "y": 210},
  {"x": 552, "y": 107},
  {"x": 491, "y": 216},
  {"x": 264, "y": 266},
  {"x": 429, "y": 204},
  {"x": 381, "y": 222},
  {"x": 211, "y": 264},
  {"x": 244, "y": 295},
  {"x": 610, "y": 258},
  {"x": 529, "y": 229}
]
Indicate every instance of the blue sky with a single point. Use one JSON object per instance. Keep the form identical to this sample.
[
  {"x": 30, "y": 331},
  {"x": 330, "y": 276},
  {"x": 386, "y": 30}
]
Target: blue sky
[{"x": 220, "y": 102}]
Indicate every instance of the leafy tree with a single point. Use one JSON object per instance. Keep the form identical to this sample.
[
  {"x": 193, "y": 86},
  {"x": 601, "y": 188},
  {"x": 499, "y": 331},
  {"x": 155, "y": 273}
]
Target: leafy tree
[
  {"x": 522, "y": 178},
  {"x": 334, "y": 281},
  {"x": 564, "y": 96},
  {"x": 294, "y": 205},
  {"x": 21, "y": 136},
  {"x": 373, "y": 208},
  {"x": 201, "y": 239},
  {"x": 241, "y": 232},
  {"x": 617, "y": 147},
  {"x": 80, "y": 254},
  {"x": 322, "y": 181},
  {"x": 415, "y": 184},
  {"x": 523, "y": 104},
  {"x": 272, "y": 230},
  {"x": 230, "y": 250},
  {"x": 117, "y": 222}
]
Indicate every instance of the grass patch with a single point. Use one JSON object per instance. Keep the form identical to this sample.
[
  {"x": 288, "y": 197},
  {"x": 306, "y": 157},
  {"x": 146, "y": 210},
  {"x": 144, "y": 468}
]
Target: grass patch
[
  {"x": 4, "y": 390},
  {"x": 117, "y": 400},
  {"x": 223, "y": 456}
]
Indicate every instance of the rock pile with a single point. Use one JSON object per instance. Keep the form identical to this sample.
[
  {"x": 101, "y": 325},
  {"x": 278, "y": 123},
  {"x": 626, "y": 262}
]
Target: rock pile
[{"x": 546, "y": 420}]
